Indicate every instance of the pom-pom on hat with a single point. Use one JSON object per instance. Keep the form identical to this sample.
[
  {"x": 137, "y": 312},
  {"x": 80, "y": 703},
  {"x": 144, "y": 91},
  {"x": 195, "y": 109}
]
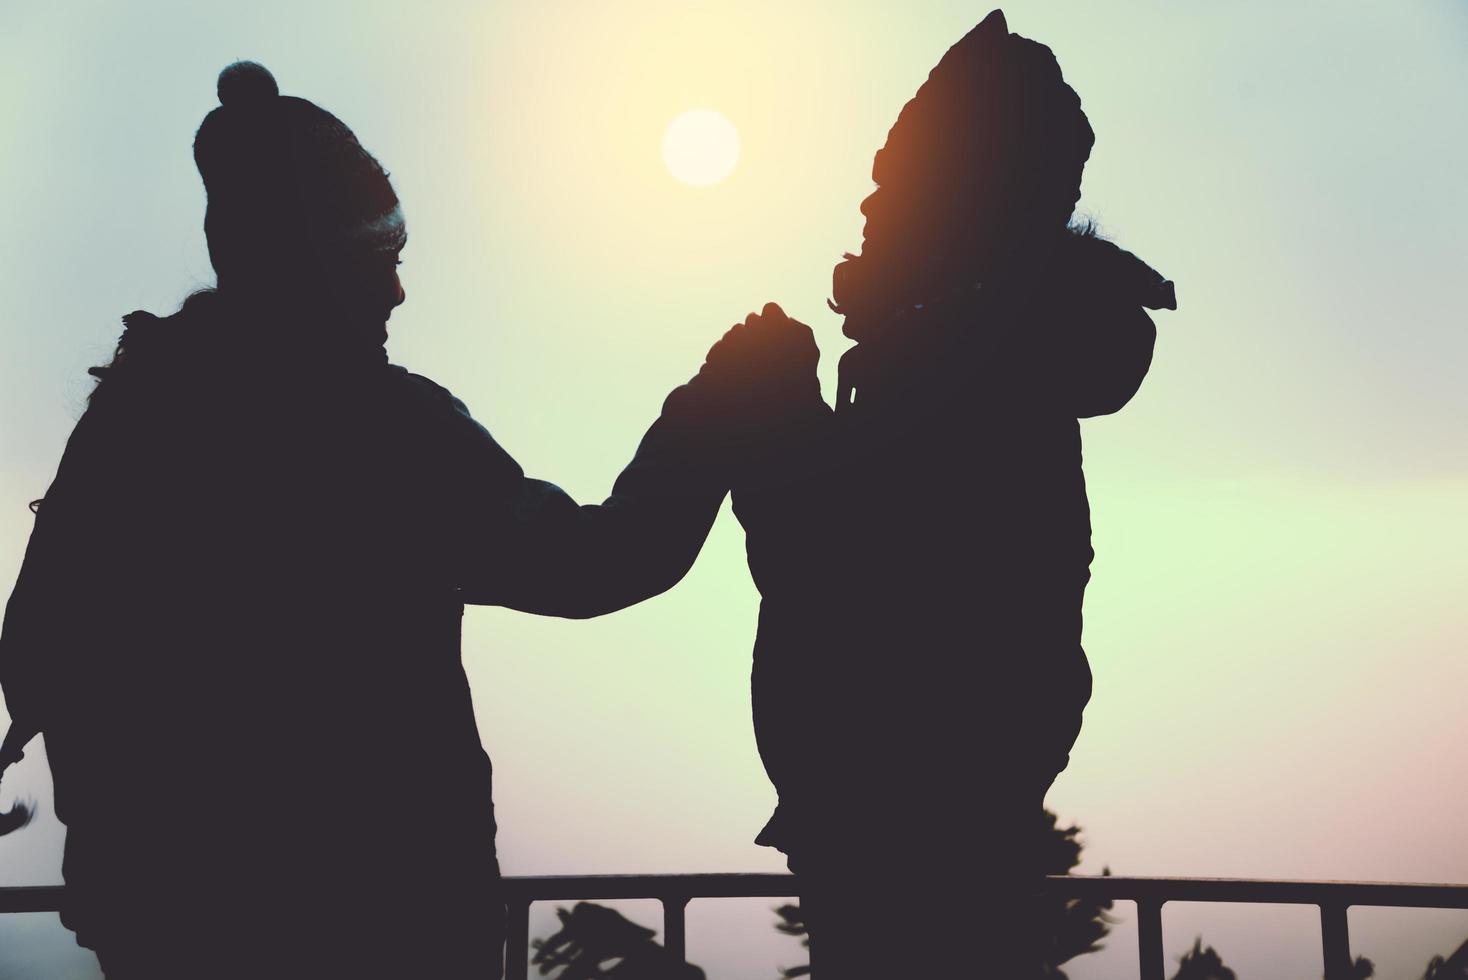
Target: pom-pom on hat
[
  {"x": 996, "y": 115},
  {"x": 289, "y": 185},
  {"x": 246, "y": 82}
]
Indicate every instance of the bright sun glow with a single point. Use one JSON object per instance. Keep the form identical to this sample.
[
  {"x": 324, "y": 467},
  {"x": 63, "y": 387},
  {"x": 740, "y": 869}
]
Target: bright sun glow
[{"x": 701, "y": 147}]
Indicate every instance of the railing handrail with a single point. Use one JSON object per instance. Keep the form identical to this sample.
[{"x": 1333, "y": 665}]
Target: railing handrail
[
  {"x": 1263, "y": 891},
  {"x": 553, "y": 888},
  {"x": 674, "y": 891},
  {"x": 1250, "y": 891}
]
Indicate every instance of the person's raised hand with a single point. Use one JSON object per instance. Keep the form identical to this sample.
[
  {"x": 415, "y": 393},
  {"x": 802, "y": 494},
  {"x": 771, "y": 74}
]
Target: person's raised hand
[{"x": 767, "y": 361}]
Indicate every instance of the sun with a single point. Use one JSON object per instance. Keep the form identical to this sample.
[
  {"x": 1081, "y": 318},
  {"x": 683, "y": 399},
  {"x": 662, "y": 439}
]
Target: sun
[{"x": 701, "y": 147}]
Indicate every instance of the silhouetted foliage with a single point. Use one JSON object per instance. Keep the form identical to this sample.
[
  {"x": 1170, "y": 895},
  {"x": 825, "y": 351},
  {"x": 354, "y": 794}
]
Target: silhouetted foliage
[
  {"x": 792, "y": 923},
  {"x": 17, "y": 816},
  {"x": 12, "y": 751},
  {"x": 592, "y": 936},
  {"x": 1201, "y": 963},
  {"x": 1454, "y": 967},
  {"x": 1072, "y": 927}
]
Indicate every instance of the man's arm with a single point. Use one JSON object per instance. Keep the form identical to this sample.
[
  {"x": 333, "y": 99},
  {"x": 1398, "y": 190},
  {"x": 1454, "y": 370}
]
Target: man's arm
[
  {"x": 531, "y": 547},
  {"x": 535, "y": 549}
]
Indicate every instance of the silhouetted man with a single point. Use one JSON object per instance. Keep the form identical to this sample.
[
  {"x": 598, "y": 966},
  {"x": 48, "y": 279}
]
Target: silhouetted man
[
  {"x": 238, "y": 618},
  {"x": 922, "y": 551}
]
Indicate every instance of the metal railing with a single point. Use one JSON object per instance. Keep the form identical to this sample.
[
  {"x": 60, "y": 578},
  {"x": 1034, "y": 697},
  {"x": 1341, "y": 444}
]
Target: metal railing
[
  {"x": 673, "y": 891},
  {"x": 1332, "y": 898}
]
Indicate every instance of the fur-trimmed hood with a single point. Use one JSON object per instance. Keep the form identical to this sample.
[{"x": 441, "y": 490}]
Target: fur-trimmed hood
[{"x": 1078, "y": 305}]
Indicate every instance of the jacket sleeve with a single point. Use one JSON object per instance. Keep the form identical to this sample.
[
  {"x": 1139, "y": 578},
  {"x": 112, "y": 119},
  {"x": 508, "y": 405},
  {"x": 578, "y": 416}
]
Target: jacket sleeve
[
  {"x": 1100, "y": 365},
  {"x": 45, "y": 605},
  {"x": 1077, "y": 357},
  {"x": 1098, "y": 344},
  {"x": 529, "y": 546}
]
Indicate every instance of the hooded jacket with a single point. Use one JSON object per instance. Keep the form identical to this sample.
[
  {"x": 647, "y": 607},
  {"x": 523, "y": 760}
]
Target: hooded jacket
[{"x": 922, "y": 572}]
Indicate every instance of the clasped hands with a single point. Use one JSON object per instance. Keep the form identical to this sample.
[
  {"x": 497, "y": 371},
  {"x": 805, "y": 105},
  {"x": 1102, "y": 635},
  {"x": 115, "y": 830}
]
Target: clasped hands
[
  {"x": 764, "y": 367},
  {"x": 758, "y": 400}
]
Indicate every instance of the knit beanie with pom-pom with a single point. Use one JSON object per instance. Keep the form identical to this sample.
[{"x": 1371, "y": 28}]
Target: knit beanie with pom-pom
[{"x": 290, "y": 188}]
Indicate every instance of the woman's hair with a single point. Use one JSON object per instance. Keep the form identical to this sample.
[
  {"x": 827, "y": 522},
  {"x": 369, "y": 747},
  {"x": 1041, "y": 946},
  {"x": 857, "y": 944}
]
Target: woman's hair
[{"x": 145, "y": 336}]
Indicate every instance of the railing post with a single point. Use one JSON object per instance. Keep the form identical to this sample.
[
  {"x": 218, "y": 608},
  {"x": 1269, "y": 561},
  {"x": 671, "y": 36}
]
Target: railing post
[
  {"x": 1335, "y": 939},
  {"x": 1149, "y": 938},
  {"x": 517, "y": 939},
  {"x": 675, "y": 928}
]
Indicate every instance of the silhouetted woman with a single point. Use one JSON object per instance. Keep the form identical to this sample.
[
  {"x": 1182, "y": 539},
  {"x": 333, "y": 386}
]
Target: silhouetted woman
[
  {"x": 918, "y": 677},
  {"x": 238, "y": 620}
]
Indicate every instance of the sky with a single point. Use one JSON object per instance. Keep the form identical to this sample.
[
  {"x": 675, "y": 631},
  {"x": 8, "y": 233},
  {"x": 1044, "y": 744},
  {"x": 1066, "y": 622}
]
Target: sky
[{"x": 1275, "y": 621}]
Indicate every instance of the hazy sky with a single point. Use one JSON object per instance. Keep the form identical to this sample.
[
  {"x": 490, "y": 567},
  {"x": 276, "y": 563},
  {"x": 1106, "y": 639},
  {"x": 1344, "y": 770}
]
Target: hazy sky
[{"x": 1275, "y": 624}]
